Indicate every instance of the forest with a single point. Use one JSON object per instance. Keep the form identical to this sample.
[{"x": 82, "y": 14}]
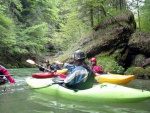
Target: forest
[{"x": 37, "y": 28}]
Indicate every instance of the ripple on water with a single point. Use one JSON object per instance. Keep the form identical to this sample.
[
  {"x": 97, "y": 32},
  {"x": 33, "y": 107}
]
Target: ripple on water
[{"x": 30, "y": 101}]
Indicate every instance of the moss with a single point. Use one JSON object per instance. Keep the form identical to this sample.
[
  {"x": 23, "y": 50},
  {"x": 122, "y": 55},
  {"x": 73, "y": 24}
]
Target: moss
[
  {"x": 137, "y": 71},
  {"x": 105, "y": 53},
  {"x": 124, "y": 16},
  {"x": 147, "y": 71},
  {"x": 139, "y": 60},
  {"x": 109, "y": 65}
]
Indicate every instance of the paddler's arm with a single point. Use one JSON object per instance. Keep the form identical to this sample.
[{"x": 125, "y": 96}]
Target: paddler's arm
[
  {"x": 70, "y": 67},
  {"x": 9, "y": 77}
]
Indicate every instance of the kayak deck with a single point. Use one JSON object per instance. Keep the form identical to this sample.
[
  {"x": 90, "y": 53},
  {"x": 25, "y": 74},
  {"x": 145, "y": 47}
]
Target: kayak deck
[{"x": 114, "y": 78}]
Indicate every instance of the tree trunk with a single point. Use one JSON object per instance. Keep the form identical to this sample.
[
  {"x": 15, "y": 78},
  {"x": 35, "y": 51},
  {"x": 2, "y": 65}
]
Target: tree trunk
[
  {"x": 91, "y": 14},
  {"x": 139, "y": 19}
]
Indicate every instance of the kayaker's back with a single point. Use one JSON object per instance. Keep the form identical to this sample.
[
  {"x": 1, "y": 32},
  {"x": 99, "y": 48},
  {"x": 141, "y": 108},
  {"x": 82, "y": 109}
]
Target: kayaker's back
[{"x": 87, "y": 84}]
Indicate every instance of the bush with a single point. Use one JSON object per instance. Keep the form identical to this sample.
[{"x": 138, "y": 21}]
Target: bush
[
  {"x": 137, "y": 71},
  {"x": 110, "y": 65}
]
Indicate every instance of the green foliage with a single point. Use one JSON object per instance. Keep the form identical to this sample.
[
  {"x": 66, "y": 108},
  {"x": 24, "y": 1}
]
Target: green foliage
[
  {"x": 26, "y": 25},
  {"x": 6, "y": 30},
  {"x": 130, "y": 71},
  {"x": 25, "y": 64},
  {"x": 19, "y": 36},
  {"x": 147, "y": 71},
  {"x": 73, "y": 31},
  {"x": 137, "y": 71},
  {"x": 30, "y": 40},
  {"x": 73, "y": 27},
  {"x": 110, "y": 65},
  {"x": 145, "y": 18}
]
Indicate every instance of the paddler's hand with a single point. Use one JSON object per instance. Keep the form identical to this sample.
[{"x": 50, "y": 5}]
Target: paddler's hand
[{"x": 59, "y": 63}]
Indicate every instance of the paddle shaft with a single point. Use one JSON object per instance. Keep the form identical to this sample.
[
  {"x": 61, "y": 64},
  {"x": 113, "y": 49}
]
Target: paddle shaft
[
  {"x": 34, "y": 63},
  {"x": 6, "y": 75},
  {"x": 58, "y": 84}
]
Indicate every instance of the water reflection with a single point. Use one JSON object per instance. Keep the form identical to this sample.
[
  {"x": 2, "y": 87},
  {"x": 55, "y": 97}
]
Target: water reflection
[
  {"x": 33, "y": 102},
  {"x": 19, "y": 98}
]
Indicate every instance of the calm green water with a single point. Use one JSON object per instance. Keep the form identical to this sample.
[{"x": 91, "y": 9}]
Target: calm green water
[{"x": 19, "y": 98}]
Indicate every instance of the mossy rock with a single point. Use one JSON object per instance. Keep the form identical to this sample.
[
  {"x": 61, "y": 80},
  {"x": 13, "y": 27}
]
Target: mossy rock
[
  {"x": 147, "y": 71},
  {"x": 109, "y": 65},
  {"x": 139, "y": 72}
]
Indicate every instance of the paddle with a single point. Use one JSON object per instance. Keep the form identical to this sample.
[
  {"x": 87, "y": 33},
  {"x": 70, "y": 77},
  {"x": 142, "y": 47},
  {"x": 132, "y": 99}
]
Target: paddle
[
  {"x": 61, "y": 83},
  {"x": 6, "y": 75},
  {"x": 34, "y": 63}
]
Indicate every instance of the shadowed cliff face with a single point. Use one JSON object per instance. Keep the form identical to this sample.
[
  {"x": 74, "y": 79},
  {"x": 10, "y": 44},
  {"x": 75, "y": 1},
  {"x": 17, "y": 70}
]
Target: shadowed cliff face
[
  {"x": 140, "y": 43},
  {"x": 114, "y": 38},
  {"x": 111, "y": 37}
]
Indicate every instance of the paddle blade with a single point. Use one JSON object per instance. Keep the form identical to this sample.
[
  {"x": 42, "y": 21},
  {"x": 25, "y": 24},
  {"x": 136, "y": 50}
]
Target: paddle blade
[{"x": 30, "y": 61}]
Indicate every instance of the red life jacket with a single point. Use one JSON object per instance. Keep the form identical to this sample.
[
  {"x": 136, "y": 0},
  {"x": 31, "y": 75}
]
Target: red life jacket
[{"x": 97, "y": 69}]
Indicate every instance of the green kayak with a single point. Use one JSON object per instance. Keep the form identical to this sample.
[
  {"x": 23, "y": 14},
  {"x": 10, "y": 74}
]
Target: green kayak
[{"x": 105, "y": 92}]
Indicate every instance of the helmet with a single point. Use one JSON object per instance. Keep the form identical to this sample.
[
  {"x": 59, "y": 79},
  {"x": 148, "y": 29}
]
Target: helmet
[
  {"x": 93, "y": 60},
  {"x": 78, "y": 55},
  {"x": 46, "y": 61}
]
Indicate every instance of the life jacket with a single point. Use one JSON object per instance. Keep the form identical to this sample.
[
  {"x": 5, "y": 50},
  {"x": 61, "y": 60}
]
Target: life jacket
[
  {"x": 81, "y": 83},
  {"x": 97, "y": 69},
  {"x": 83, "y": 78}
]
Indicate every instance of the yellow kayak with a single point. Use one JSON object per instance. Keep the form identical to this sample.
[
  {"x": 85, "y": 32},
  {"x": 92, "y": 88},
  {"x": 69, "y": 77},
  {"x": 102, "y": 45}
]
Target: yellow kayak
[
  {"x": 113, "y": 78},
  {"x": 63, "y": 71}
]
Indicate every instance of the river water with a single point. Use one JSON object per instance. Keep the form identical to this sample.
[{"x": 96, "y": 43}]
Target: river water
[{"x": 19, "y": 98}]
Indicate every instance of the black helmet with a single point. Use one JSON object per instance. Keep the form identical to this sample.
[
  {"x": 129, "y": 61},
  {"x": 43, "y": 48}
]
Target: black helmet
[
  {"x": 46, "y": 61},
  {"x": 78, "y": 55}
]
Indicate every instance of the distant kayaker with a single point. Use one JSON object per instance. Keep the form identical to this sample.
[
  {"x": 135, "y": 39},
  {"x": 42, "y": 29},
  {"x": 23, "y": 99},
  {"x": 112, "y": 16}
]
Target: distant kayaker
[
  {"x": 81, "y": 75},
  {"x": 5, "y": 75},
  {"x": 48, "y": 67},
  {"x": 95, "y": 67}
]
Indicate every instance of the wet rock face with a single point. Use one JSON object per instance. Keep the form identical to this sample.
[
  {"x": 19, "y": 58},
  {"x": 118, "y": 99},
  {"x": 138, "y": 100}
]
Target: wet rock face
[
  {"x": 140, "y": 43},
  {"x": 146, "y": 62},
  {"x": 111, "y": 36},
  {"x": 116, "y": 37}
]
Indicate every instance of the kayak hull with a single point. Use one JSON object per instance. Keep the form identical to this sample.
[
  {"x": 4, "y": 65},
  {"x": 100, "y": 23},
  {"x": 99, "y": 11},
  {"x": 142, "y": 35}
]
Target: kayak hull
[
  {"x": 44, "y": 75},
  {"x": 114, "y": 78},
  {"x": 50, "y": 74},
  {"x": 105, "y": 92}
]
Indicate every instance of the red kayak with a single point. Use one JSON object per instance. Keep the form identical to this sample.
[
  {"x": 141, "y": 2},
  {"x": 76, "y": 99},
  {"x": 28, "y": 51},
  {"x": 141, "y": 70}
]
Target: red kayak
[{"x": 47, "y": 75}]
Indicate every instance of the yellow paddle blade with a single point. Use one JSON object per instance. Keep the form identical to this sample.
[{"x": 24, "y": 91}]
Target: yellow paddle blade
[{"x": 30, "y": 61}]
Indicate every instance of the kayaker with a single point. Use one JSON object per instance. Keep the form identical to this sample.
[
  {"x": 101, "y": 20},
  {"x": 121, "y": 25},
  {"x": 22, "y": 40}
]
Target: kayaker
[
  {"x": 49, "y": 67},
  {"x": 80, "y": 76},
  {"x": 5, "y": 75},
  {"x": 95, "y": 67}
]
